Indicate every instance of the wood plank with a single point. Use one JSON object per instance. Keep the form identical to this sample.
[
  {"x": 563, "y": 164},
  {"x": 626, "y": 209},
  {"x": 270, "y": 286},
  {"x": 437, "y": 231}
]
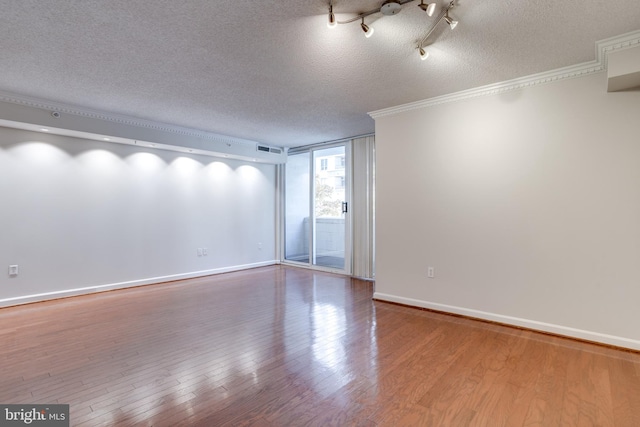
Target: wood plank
[{"x": 284, "y": 346}]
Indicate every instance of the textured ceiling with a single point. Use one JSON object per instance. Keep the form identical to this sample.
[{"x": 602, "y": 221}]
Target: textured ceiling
[{"x": 271, "y": 71}]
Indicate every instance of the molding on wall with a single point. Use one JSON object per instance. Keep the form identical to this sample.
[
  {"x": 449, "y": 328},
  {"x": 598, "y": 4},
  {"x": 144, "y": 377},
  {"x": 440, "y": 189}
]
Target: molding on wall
[
  {"x": 599, "y": 65},
  {"x": 625, "y": 41},
  {"x": 26, "y": 299},
  {"x": 117, "y": 118},
  {"x": 515, "y": 321}
]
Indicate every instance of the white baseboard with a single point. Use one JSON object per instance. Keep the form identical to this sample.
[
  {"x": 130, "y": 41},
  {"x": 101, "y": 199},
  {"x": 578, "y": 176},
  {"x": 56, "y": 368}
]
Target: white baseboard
[
  {"x": 26, "y": 299},
  {"x": 516, "y": 321}
]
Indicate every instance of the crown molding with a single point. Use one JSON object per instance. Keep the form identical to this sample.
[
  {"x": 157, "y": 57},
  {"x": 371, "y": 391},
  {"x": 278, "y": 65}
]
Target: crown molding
[
  {"x": 603, "y": 48},
  {"x": 606, "y": 46},
  {"x": 42, "y": 104}
]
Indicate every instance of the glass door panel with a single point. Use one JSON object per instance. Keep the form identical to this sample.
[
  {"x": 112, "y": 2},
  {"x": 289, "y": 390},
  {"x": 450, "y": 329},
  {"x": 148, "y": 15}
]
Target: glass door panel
[
  {"x": 297, "y": 204},
  {"x": 329, "y": 227}
]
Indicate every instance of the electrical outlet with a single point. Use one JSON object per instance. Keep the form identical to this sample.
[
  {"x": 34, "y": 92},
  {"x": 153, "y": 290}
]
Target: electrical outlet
[
  {"x": 199, "y": 251},
  {"x": 13, "y": 270},
  {"x": 260, "y": 246},
  {"x": 205, "y": 251},
  {"x": 431, "y": 272}
]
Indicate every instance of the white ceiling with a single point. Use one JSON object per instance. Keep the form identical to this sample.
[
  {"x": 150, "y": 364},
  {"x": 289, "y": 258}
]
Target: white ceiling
[{"x": 271, "y": 71}]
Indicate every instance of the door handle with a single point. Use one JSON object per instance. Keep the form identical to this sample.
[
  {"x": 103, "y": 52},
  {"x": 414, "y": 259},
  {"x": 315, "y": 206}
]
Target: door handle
[{"x": 345, "y": 207}]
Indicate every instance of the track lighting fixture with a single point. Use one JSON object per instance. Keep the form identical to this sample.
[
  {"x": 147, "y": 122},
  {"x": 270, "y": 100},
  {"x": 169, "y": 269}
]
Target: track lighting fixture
[
  {"x": 393, "y": 7},
  {"x": 332, "y": 18},
  {"x": 368, "y": 31},
  {"x": 429, "y": 7},
  {"x": 452, "y": 23},
  {"x": 444, "y": 15}
]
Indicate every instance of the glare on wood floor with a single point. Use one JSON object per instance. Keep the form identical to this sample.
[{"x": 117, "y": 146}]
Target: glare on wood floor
[{"x": 281, "y": 346}]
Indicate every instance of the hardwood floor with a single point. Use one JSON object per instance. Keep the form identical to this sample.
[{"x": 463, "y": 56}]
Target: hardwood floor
[{"x": 281, "y": 346}]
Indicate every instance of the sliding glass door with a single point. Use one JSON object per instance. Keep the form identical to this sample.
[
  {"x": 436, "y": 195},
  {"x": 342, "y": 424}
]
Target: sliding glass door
[
  {"x": 297, "y": 201},
  {"x": 317, "y": 227},
  {"x": 330, "y": 206}
]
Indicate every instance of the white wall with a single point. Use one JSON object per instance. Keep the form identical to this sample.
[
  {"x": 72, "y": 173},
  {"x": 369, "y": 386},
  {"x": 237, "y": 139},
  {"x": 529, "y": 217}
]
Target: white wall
[
  {"x": 81, "y": 214},
  {"x": 526, "y": 203}
]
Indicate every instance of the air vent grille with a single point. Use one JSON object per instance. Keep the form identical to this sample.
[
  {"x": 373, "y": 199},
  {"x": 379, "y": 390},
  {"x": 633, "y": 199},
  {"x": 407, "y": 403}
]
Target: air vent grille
[{"x": 267, "y": 149}]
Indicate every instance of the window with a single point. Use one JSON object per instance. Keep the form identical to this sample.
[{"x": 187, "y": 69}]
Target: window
[
  {"x": 340, "y": 163},
  {"x": 324, "y": 164}
]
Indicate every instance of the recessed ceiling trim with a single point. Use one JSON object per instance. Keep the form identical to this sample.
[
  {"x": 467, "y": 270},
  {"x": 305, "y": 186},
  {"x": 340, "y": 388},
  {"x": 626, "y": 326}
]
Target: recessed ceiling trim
[
  {"x": 34, "y": 114},
  {"x": 117, "y": 118},
  {"x": 30, "y": 114},
  {"x": 603, "y": 47}
]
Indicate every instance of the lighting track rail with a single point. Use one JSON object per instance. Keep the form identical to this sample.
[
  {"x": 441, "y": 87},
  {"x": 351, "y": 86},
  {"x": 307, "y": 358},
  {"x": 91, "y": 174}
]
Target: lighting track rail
[{"x": 393, "y": 7}]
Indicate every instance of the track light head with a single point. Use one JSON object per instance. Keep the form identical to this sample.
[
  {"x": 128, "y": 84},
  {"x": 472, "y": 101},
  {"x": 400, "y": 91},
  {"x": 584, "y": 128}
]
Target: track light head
[
  {"x": 368, "y": 31},
  {"x": 452, "y": 23},
  {"x": 429, "y": 7},
  {"x": 423, "y": 53},
  {"x": 332, "y": 18}
]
